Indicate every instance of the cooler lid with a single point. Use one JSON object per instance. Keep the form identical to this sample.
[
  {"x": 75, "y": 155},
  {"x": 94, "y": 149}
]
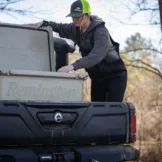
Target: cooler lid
[{"x": 26, "y": 48}]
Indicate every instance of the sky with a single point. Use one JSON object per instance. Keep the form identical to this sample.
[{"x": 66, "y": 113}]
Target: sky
[{"x": 112, "y": 12}]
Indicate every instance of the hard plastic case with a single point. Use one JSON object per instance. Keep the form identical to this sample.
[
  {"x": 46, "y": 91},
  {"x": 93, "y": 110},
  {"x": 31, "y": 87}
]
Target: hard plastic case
[{"x": 27, "y": 85}]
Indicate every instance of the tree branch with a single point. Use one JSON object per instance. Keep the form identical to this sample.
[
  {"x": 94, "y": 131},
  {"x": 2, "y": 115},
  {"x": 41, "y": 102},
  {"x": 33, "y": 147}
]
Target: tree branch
[
  {"x": 5, "y": 8},
  {"x": 141, "y": 49},
  {"x": 132, "y": 24},
  {"x": 142, "y": 6},
  {"x": 6, "y": 3},
  {"x": 24, "y": 12},
  {"x": 140, "y": 67},
  {"x": 147, "y": 68}
]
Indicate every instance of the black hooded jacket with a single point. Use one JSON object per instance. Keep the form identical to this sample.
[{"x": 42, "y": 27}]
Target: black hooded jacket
[{"x": 100, "y": 54}]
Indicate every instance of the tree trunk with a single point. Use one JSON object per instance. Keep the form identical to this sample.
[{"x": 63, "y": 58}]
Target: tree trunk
[{"x": 160, "y": 10}]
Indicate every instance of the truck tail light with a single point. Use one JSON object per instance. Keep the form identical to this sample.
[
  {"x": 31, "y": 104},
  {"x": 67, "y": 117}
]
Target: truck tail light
[{"x": 133, "y": 128}]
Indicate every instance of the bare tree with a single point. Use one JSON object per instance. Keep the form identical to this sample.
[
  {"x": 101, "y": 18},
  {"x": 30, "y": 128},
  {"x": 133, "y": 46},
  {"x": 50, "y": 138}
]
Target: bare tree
[
  {"x": 151, "y": 9},
  {"x": 10, "y": 8},
  {"x": 160, "y": 8},
  {"x": 139, "y": 54}
]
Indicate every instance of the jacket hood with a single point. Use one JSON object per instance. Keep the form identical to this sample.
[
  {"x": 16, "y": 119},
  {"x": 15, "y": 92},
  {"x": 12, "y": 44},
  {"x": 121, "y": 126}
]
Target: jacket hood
[{"x": 95, "y": 21}]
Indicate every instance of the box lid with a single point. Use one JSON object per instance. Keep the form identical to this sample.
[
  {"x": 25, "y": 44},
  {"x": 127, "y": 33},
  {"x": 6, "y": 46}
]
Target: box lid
[
  {"x": 26, "y": 48},
  {"x": 15, "y": 72}
]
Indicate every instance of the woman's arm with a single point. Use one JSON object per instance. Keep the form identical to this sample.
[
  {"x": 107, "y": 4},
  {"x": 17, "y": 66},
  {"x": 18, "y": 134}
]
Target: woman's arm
[
  {"x": 99, "y": 51},
  {"x": 64, "y": 30}
]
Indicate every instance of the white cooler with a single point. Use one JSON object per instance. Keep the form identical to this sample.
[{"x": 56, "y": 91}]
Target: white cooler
[{"x": 27, "y": 85}]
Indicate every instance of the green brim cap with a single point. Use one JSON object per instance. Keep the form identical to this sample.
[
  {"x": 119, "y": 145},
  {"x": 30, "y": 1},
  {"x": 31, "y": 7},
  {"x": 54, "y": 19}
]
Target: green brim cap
[
  {"x": 78, "y": 8},
  {"x": 74, "y": 14}
]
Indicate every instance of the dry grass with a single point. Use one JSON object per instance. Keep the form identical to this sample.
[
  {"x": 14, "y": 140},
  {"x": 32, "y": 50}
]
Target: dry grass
[{"x": 150, "y": 151}]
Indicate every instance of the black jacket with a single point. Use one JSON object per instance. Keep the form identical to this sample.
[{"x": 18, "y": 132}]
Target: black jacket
[{"x": 100, "y": 54}]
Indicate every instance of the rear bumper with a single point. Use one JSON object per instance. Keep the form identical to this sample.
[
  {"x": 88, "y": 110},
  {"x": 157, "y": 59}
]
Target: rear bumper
[
  {"x": 107, "y": 153},
  {"x": 75, "y": 154},
  {"x": 131, "y": 153}
]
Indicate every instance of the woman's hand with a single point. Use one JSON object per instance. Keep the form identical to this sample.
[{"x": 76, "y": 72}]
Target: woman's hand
[{"x": 66, "y": 68}]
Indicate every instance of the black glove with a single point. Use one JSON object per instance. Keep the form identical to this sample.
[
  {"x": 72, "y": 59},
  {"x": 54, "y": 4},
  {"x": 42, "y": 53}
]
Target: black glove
[{"x": 44, "y": 24}]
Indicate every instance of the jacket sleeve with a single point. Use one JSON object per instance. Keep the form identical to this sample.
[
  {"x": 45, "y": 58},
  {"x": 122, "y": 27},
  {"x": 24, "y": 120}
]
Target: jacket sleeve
[
  {"x": 99, "y": 51},
  {"x": 64, "y": 30}
]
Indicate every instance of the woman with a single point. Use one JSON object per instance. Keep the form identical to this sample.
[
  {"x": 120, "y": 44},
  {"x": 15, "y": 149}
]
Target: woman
[{"x": 100, "y": 54}]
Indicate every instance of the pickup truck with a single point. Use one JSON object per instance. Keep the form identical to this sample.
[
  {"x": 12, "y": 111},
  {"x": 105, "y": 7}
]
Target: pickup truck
[{"x": 42, "y": 113}]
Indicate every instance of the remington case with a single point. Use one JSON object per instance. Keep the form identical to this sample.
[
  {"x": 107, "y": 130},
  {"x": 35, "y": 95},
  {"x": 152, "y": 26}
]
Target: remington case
[{"x": 30, "y": 85}]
